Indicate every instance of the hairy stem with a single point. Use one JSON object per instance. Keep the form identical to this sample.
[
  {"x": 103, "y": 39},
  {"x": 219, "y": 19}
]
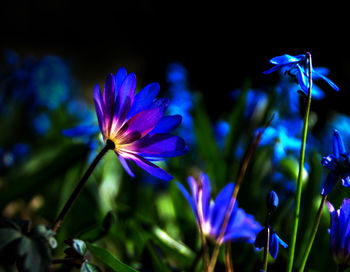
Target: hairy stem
[{"x": 109, "y": 145}]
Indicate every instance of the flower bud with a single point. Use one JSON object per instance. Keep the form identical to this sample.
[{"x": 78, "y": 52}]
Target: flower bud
[{"x": 272, "y": 201}]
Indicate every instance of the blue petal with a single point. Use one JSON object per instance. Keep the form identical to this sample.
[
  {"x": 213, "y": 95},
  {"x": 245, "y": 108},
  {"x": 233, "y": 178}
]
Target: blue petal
[
  {"x": 273, "y": 247},
  {"x": 188, "y": 198},
  {"x": 286, "y": 59},
  {"x": 80, "y": 131},
  {"x": 144, "y": 99},
  {"x": 338, "y": 144},
  {"x": 329, "y": 183},
  {"x": 220, "y": 207},
  {"x": 167, "y": 124},
  {"x": 119, "y": 78},
  {"x": 331, "y": 83}
]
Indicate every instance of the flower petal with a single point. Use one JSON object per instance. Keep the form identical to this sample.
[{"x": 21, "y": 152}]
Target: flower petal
[
  {"x": 119, "y": 78},
  {"x": 149, "y": 167},
  {"x": 329, "y": 183},
  {"x": 125, "y": 165},
  {"x": 189, "y": 199},
  {"x": 220, "y": 207},
  {"x": 338, "y": 144},
  {"x": 141, "y": 123},
  {"x": 144, "y": 99},
  {"x": 108, "y": 101},
  {"x": 99, "y": 108},
  {"x": 167, "y": 124},
  {"x": 159, "y": 145}
]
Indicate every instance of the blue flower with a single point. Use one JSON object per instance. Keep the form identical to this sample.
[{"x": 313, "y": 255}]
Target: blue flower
[
  {"x": 274, "y": 241},
  {"x": 338, "y": 163},
  {"x": 298, "y": 68},
  {"x": 210, "y": 215},
  {"x": 285, "y": 141},
  {"x": 340, "y": 232}
]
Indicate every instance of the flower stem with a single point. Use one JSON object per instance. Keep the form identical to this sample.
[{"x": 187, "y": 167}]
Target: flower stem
[
  {"x": 313, "y": 234},
  {"x": 241, "y": 174},
  {"x": 109, "y": 145},
  {"x": 301, "y": 171},
  {"x": 228, "y": 258},
  {"x": 266, "y": 249}
]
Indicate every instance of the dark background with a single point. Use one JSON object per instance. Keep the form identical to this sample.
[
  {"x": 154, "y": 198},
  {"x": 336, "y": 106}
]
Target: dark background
[{"x": 221, "y": 45}]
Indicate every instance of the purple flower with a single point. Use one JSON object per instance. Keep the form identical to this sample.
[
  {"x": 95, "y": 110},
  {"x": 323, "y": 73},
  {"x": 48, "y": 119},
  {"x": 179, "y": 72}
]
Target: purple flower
[
  {"x": 136, "y": 123},
  {"x": 338, "y": 163},
  {"x": 210, "y": 215},
  {"x": 298, "y": 68},
  {"x": 340, "y": 232}
]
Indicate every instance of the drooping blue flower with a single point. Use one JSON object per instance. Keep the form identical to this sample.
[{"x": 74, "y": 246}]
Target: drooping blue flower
[
  {"x": 338, "y": 163},
  {"x": 340, "y": 232},
  {"x": 274, "y": 241},
  {"x": 298, "y": 68},
  {"x": 210, "y": 215}
]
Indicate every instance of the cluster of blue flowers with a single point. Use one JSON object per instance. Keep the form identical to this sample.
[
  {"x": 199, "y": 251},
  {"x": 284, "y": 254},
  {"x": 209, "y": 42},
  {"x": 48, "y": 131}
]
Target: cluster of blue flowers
[{"x": 144, "y": 130}]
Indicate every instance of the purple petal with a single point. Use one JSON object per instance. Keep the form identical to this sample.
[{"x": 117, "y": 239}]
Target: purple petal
[
  {"x": 220, "y": 207},
  {"x": 125, "y": 165},
  {"x": 141, "y": 123},
  {"x": 119, "y": 78},
  {"x": 144, "y": 99},
  {"x": 189, "y": 199},
  {"x": 108, "y": 101},
  {"x": 167, "y": 124},
  {"x": 149, "y": 167},
  {"x": 126, "y": 93},
  {"x": 99, "y": 109},
  {"x": 159, "y": 145},
  {"x": 334, "y": 226}
]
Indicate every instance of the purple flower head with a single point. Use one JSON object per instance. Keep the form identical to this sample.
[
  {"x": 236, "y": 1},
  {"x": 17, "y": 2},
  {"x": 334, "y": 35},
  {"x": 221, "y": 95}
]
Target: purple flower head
[
  {"x": 338, "y": 163},
  {"x": 340, "y": 232},
  {"x": 298, "y": 68},
  {"x": 210, "y": 215},
  {"x": 136, "y": 123},
  {"x": 274, "y": 241}
]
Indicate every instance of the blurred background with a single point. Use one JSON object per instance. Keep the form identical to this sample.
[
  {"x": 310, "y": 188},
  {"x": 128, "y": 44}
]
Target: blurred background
[{"x": 208, "y": 59}]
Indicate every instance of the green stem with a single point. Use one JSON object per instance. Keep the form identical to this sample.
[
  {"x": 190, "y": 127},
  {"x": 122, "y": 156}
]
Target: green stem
[
  {"x": 301, "y": 171},
  {"x": 313, "y": 234},
  {"x": 109, "y": 145},
  {"x": 266, "y": 249}
]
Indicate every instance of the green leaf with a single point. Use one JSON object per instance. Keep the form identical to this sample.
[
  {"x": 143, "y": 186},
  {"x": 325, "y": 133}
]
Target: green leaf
[{"x": 109, "y": 259}]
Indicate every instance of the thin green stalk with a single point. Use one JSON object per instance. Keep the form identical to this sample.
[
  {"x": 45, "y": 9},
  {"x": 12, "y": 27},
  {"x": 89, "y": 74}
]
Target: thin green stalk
[
  {"x": 301, "y": 171},
  {"x": 313, "y": 234},
  {"x": 266, "y": 249},
  {"x": 109, "y": 145}
]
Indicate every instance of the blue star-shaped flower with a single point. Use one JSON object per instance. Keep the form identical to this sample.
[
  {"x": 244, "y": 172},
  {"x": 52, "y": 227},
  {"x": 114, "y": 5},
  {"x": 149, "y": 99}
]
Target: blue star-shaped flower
[
  {"x": 340, "y": 232},
  {"x": 298, "y": 68},
  {"x": 210, "y": 216},
  {"x": 274, "y": 241},
  {"x": 338, "y": 163}
]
